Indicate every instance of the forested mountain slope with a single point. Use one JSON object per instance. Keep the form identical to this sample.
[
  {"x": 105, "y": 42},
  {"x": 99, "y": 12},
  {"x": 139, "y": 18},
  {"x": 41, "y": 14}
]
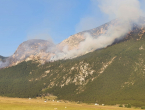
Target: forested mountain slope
[{"x": 113, "y": 75}]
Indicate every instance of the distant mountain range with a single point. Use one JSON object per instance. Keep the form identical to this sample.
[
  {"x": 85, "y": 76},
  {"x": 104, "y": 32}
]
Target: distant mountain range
[{"x": 111, "y": 75}]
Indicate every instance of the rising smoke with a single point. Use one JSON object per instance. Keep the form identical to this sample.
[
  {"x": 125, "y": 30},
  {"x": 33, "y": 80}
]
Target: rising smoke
[
  {"x": 127, "y": 12},
  {"x": 4, "y": 63}
]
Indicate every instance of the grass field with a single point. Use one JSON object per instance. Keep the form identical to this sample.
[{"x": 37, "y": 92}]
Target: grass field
[{"x": 39, "y": 104}]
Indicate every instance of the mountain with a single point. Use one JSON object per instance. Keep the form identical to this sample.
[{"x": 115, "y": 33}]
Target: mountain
[
  {"x": 31, "y": 50},
  {"x": 44, "y": 51},
  {"x": 113, "y": 75}
]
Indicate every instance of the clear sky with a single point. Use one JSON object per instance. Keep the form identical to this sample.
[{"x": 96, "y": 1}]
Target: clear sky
[{"x": 21, "y": 20}]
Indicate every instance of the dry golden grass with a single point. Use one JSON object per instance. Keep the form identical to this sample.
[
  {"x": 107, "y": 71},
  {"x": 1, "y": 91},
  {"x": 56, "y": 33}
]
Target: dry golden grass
[{"x": 39, "y": 104}]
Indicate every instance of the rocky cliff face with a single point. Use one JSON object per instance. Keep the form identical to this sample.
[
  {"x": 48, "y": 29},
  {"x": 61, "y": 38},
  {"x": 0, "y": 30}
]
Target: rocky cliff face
[
  {"x": 34, "y": 49},
  {"x": 43, "y": 51},
  {"x": 74, "y": 40}
]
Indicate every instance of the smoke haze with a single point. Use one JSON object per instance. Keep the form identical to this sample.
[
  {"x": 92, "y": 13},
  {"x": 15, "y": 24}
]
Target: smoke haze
[{"x": 127, "y": 12}]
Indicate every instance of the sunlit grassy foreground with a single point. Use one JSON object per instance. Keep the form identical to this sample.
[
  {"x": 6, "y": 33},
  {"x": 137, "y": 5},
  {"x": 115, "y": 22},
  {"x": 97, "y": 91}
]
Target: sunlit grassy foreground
[{"x": 40, "y": 104}]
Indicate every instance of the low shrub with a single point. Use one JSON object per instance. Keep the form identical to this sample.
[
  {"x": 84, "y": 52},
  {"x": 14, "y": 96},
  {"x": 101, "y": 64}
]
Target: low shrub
[
  {"x": 143, "y": 107},
  {"x": 128, "y": 106},
  {"x": 120, "y": 105}
]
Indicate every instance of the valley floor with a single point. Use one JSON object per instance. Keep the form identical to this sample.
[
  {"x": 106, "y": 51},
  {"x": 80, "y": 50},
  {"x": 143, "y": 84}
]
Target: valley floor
[{"x": 40, "y": 104}]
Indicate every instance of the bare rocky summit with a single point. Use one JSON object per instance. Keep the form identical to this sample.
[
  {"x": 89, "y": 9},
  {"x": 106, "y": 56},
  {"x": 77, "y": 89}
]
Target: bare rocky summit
[{"x": 34, "y": 49}]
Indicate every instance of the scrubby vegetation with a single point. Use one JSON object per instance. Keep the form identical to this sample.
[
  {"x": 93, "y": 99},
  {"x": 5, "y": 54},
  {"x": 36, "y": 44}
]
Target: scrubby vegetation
[
  {"x": 120, "y": 105},
  {"x": 128, "y": 106},
  {"x": 143, "y": 107},
  {"x": 40, "y": 104},
  {"x": 113, "y": 75}
]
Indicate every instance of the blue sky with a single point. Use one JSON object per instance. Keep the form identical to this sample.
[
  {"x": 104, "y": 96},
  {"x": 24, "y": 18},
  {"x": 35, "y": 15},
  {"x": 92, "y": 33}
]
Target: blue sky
[{"x": 21, "y": 20}]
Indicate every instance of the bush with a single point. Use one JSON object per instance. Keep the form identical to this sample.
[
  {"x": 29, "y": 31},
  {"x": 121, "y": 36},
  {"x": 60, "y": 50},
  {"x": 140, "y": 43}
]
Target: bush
[
  {"x": 120, "y": 105},
  {"x": 128, "y": 105},
  {"x": 143, "y": 107}
]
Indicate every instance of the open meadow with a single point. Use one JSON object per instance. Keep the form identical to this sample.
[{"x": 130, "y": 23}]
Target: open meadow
[{"x": 40, "y": 104}]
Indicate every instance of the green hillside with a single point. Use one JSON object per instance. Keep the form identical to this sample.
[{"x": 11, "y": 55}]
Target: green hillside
[{"x": 113, "y": 75}]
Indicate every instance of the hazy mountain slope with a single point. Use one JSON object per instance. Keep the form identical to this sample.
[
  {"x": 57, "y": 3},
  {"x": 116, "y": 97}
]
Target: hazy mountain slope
[
  {"x": 111, "y": 75},
  {"x": 37, "y": 49},
  {"x": 2, "y": 58},
  {"x": 31, "y": 50},
  {"x": 74, "y": 40},
  {"x": 43, "y": 51}
]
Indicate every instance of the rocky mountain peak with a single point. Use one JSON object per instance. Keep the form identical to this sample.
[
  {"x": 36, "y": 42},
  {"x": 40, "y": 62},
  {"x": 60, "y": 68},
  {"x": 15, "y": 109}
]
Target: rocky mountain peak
[{"x": 31, "y": 49}]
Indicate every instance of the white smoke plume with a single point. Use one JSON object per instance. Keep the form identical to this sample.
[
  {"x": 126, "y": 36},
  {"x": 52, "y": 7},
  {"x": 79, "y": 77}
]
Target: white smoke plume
[
  {"x": 4, "y": 63},
  {"x": 127, "y": 12}
]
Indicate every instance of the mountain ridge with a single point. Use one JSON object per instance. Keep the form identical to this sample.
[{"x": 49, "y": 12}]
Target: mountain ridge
[{"x": 73, "y": 42}]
